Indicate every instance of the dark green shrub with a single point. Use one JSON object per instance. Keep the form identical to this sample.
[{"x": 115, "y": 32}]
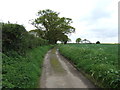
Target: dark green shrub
[
  {"x": 12, "y": 37},
  {"x": 16, "y": 38},
  {"x": 98, "y": 42}
]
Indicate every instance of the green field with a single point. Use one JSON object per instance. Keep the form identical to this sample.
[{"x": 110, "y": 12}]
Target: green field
[{"x": 99, "y": 61}]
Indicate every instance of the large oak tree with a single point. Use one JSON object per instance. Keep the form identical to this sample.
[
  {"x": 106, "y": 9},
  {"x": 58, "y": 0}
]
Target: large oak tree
[{"x": 55, "y": 27}]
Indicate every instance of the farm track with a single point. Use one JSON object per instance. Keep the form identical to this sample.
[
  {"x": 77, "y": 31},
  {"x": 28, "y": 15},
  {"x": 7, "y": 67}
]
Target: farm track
[{"x": 59, "y": 73}]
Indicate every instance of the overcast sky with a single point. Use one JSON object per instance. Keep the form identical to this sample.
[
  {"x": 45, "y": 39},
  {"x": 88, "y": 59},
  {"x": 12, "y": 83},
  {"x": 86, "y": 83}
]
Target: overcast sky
[{"x": 95, "y": 20}]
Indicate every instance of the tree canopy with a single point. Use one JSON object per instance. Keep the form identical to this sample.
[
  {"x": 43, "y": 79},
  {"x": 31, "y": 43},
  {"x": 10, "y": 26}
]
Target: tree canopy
[
  {"x": 78, "y": 40},
  {"x": 65, "y": 39},
  {"x": 85, "y": 41},
  {"x": 55, "y": 27},
  {"x": 98, "y": 42},
  {"x": 37, "y": 33}
]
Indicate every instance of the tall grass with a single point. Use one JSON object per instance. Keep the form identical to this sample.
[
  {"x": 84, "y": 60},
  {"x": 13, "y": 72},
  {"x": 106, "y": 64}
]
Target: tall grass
[
  {"x": 99, "y": 61},
  {"x": 23, "y": 71}
]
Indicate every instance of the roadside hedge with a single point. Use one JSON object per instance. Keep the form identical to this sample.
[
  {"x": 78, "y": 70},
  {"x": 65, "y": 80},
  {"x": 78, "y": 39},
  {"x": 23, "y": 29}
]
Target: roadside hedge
[
  {"x": 22, "y": 57},
  {"x": 16, "y": 38}
]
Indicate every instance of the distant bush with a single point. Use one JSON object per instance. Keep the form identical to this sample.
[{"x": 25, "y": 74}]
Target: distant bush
[
  {"x": 98, "y": 42},
  {"x": 16, "y": 38}
]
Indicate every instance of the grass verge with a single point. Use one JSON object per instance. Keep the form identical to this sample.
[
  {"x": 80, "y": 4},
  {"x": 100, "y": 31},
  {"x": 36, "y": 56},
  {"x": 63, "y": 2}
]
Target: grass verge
[{"x": 23, "y": 71}]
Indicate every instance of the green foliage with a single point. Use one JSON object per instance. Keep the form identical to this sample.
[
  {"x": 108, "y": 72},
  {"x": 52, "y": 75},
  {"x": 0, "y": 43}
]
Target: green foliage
[
  {"x": 78, "y": 40},
  {"x": 16, "y": 38},
  {"x": 64, "y": 39},
  {"x": 98, "y": 42},
  {"x": 85, "y": 41},
  {"x": 38, "y": 33},
  {"x": 22, "y": 60},
  {"x": 54, "y": 25},
  {"x": 23, "y": 71},
  {"x": 12, "y": 36},
  {"x": 98, "y": 60}
]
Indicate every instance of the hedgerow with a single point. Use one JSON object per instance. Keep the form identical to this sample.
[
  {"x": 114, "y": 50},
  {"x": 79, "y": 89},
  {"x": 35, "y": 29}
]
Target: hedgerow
[
  {"x": 16, "y": 38},
  {"x": 22, "y": 57}
]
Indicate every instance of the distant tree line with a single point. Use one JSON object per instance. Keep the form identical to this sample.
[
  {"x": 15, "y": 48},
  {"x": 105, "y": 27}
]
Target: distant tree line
[{"x": 79, "y": 40}]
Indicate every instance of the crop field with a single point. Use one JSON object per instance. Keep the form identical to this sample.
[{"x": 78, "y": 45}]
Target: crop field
[{"x": 99, "y": 61}]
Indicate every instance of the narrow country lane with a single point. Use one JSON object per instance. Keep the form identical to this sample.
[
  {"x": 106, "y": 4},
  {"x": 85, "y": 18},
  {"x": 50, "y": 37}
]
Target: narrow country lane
[{"x": 59, "y": 73}]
